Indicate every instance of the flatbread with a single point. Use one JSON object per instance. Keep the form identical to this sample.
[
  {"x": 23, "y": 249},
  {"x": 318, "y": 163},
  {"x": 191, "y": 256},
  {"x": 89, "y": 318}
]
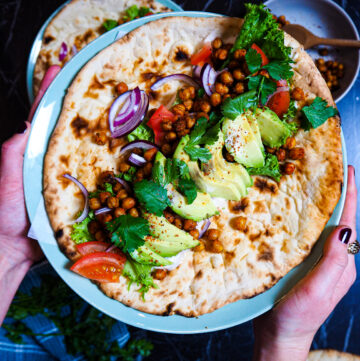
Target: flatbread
[
  {"x": 79, "y": 23},
  {"x": 331, "y": 355},
  {"x": 284, "y": 220}
]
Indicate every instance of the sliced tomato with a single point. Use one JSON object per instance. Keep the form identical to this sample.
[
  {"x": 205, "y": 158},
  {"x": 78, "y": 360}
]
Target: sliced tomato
[
  {"x": 155, "y": 122},
  {"x": 264, "y": 59},
  {"x": 149, "y": 13},
  {"x": 100, "y": 266},
  {"x": 203, "y": 56},
  {"x": 279, "y": 102},
  {"x": 91, "y": 247}
]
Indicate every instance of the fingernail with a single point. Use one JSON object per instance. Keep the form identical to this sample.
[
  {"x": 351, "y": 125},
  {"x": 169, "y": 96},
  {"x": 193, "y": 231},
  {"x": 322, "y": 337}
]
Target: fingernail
[
  {"x": 344, "y": 235},
  {"x": 22, "y": 128}
]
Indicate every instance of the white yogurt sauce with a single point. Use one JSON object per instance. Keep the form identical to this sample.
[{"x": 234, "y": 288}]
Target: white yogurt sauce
[{"x": 176, "y": 261}]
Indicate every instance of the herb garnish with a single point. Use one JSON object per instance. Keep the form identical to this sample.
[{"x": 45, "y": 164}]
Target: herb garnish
[
  {"x": 80, "y": 232},
  {"x": 279, "y": 69},
  {"x": 253, "y": 60},
  {"x": 271, "y": 168},
  {"x": 231, "y": 108},
  {"x": 317, "y": 113},
  {"x": 110, "y": 24},
  {"x": 129, "y": 175},
  {"x": 133, "y": 12}
]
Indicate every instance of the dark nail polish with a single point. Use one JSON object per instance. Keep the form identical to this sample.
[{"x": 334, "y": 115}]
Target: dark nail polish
[
  {"x": 22, "y": 127},
  {"x": 345, "y": 235}
]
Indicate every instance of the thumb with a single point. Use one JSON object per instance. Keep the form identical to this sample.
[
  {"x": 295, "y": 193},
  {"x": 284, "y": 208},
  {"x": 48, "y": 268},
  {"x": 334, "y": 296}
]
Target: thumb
[{"x": 48, "y": 78}]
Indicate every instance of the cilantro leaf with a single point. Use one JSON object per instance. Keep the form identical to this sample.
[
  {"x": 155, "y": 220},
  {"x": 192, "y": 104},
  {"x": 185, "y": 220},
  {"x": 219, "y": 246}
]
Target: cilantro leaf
[
  {"x": 108, "y": 188},
  {"x": 131, "y": 13},
  {"x": 200, "y": 93},
  {"x": 129, "y": 175},
  {"x": 187, "y": 187},
  {"x": 143, "y": 11},
  {"x": 128, "y": 232},
  {"x": 80, "y": 232},
  {"x": 198, "y": 131},
  {"x": 273, "y": 45},
  {"x": 264, "y": 86},
  {"x": 142, "y": 132},
  {"x": 231, "y": 108},
  {"x": 279, "y": 69},
  {"x": 109, "y": 24},
  {"x": 253, "y": 60},
  {"x": 317, "y": 113},
  {"x": 140, "y": 274},
  {"x": 152, "y": 196},
  {"x": 271, "y": 168},
  {"x": 197, "y": 153},
  {"x": 94, "y": 194},
  {"x": 211, "y": 135}
]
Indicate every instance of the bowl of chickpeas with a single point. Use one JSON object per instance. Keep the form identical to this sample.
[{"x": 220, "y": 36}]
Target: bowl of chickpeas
[{"x": 338, "y": 66}]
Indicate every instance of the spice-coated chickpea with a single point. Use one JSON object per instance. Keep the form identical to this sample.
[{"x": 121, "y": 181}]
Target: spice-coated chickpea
[
  {"x": 289, "y": 168},
  {"x": 215, "y": 99},
  {"x": 159, "y": 274},
  {"x": 188, "y": 104},
  {"x": 93, "y": 227},
  {"x": 239, "y": 223},
  {"x": 190, "y": 122},
  {"x": 233, "y": 64},
  {"x": 178, "y": 109},
  {"x": 104, "y": 196},
  {"x": 298, "y": 94},
  {"x": 119, "y": 212},
  {"x": 297, "y": 153},
  {"x": 239, "y": 54},
  {"x": 149, "y": 155},
  {"x": 128, "y": 203},
  {"x": 271, "y": 150},
  {"x": 147, "y": 169},
  {"x": 225, "y": 96},
  {"x": 216, "y": 247},
  {"x": 320, "y": 61},
  {"x": 166, "y": 125},
  {"x": 195, "y": 233},
  {"x": 185, "y": 94},
  {"x": 217, "y": 43},
  {"x": 221, "y": 88},
  {"x": 239, "y": 88},
  {"x": 166, "y": 149},
  {"x": 238, "y": 74},
  {"x": 139, "y": 175},
  {"x": 94, "y": 203},
  {"x": 112, "y": 202},
  {"x": 221, "y": 54},
  {"x": 202, "y": 115},
  {"x": 117, "y": 187},
  {"x": 104, "y": 217},
  {"x": 121, "y": 88},
  {"x": 200, "y": 247},
  {"x": 226, "y": 78},
  {"x": 192, "y": 92},
  {"x": 189, "y": 225},
  {"x": 212, "y": 234},
  {"x": 178, "y": 223},
  {"x": 169, "y": 216},
  {"x": 290, "y": 143},
  {"x": 281, "y": 154},
  {"x": 205, "y": 106},
  {"x": 122, "y": 194},
  {"x": 124, "y": 167},
  {"x": 171, "y": 136},
  {"x": 134, "y": 212}
]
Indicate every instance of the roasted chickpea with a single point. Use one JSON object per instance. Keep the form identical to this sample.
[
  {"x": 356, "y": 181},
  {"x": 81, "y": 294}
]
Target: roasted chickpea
[
  {"x": 221, "y": 88},
  {"x": 119, "y": 212},
  {"x": 104, "y": 196},
  {"x": 195, "y": 233},
  {"x": 178, "y": 109},
  {"x": 112, "y": 202},
  {"x": 100, "y": 138},
  {"x": 149, "y": 155},
  {"x": 134, "y": 212},
  {"x": 122, "y": 194},
  {"x": 341, "y": 66},
  {"x": 297, "y": 153},
  {"x": 178, "y": 223},
  {"x": 190, "y": 122},
  {"x": 117, "y": 187},
  {"x": 226, "y": 78},
  {"x": 100, "y": 236},
  {"x": 104, "y": 217},
  {"x": 200, "y": 247},
  {"x": 192, "y": 92},
  {"x": 290, "y": 143},
  {"x": 239, "y": 54},
  {"x": 239, "y": 88},
  {"x": 159, "y": 274},
  {"x": 93, "y": 227},
  {"x": 233, "y": 65},
  {"x": 180, "y": 126},
  {"x": 212, "y": 234},
  {"x": 322, "y": 68},
  {"x": 216, "y": 247},
  {"x": 189, "y": 225},
  {"x": 329, "y": 63},
  {"x": 289, "y": 168},
  {"x": 166, "y": 125},
  {"x": 239, "y": 223},
  {"x": 166, "y": 149},
  {"x": 238, "y": 74},
  {"x": 124, "y": 167},
  {"x": 94, "y": 203},
  {"x": 139, "y": 175},
  {"x": 205, "y": 106},
  {"x": 298, "y": 94},
  {"x": 170, "y": 137},
  {"x": 215, "y": 99},
  {"x": 184, "y": 94},
  {"x": 121, "y": 88},
  {"x": 106, "y": 176},
  {"x": 281, "y": 154},
  {"x": 169, "y": 216},
  {"x": 221, "y": 54},
  {"x": 147, "y": 169},
  {"x": 188, "y": 104},
  {"x": 217, "y": 43},
  {"x": 202, "y": 115},
  {"x": 128, "y": 203}
]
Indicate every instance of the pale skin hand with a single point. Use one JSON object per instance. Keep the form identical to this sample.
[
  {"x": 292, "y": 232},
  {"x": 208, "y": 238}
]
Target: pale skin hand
[
  {"x": 17, "y": 251},
  {"x": 290, "y": 328}
]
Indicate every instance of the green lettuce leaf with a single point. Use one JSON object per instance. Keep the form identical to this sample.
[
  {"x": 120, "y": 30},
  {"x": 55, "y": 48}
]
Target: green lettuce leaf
[
  {"x": 270, "y": 169},
  {"x": 142, "y": 132},
  {"x": 80, "y": 233}
]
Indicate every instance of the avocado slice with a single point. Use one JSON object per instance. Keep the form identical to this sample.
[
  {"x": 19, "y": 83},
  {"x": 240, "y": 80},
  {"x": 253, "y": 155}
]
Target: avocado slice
[
  {"x": 242, "y": 143},
  {"x": 250, "y": 116},
  {"x": 203, "y": 207},
  {"x": 233, "y": 172},
  {"x": 167, "y": 240},
  {"x": 145, "y": 255},
  {"x": 212, "y": 181},
  {"x": 274, "y": 132}
]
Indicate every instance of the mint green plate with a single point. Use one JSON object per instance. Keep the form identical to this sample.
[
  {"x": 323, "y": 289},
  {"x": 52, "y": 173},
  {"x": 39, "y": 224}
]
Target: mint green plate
[
  {"x": 35, "y": 49},
  {"x": 43, "y": 124}
]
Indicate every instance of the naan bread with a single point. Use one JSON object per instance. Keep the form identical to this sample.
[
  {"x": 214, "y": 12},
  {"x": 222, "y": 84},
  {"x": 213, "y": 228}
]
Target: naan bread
[
  {"x": 79, "y": 23},
  {"x": 331, "y": 355},
  {"x": 283, "y": 220}
]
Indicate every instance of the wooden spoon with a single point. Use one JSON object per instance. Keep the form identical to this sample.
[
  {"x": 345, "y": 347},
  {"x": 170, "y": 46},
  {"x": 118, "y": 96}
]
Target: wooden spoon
[{"x": 308, "y": 39}]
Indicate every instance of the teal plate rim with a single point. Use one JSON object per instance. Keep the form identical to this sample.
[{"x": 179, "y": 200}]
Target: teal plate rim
[
  {"x": 36, "y": 46},
  {"x": 228, "y": 316}
]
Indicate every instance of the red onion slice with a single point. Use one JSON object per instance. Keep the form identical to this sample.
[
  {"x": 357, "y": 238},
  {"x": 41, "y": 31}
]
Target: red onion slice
[
  {"x": 118, "y": 103},
  {"x": 63, "y": 51},
  {"x": 102, "y": 210},
  {"x": 196, "y": 71},
  {"x": 208, "y": 78},
  {"x": 124, "y": 183},
  {"x": 203, "y": 226},
  {"x": 84, "y": 191},
  {"x": 137, "y": 160},
  {"x": 180, "y": 77},
  {"x": 129, "y": 118},
  {"x": 278, "y": 90},
  {"x": 142, "y": 144}
]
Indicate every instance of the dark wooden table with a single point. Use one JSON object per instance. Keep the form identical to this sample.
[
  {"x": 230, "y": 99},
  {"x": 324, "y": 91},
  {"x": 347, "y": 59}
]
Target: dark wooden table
[{"x": 19, "y": 23}]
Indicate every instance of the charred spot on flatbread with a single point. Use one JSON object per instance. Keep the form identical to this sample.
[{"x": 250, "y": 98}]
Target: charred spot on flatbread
[
  {"x": 265, "y": 185},
  {"x": 181, "y": 55},
  {"x": 79, "y": 126},
  {"x": 48, "y": 39},
  {"x": 59, "y": 233},
  {"x": 266, "y": 253},
  {"x": 239, "y": 206}
]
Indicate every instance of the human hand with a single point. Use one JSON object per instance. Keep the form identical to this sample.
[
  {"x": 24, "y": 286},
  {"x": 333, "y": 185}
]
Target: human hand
[
  {"x": 14, "y": 223},
  {"x": 290, "y": 327}
]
